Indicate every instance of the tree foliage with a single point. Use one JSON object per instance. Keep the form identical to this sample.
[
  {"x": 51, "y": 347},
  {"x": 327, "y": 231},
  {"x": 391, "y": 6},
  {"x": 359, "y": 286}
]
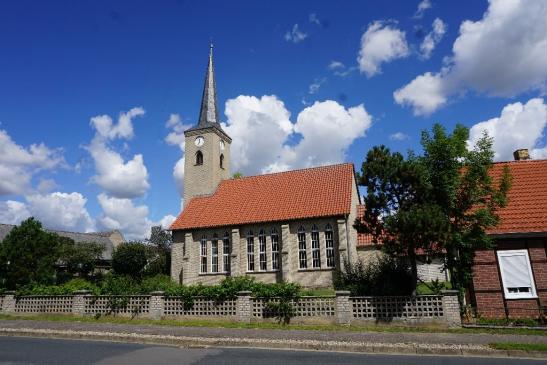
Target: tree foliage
[
  {"x": 130, "y": 258},
  {"x": 80, "y": 258},
  {"x": 28, "y": 254},
  {"x": 442, "y": 201},
  {"x": 159, "y": 252}
]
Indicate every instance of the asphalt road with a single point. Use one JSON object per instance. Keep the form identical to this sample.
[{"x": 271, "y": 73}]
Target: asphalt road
[{"x": 23, "y": 350}]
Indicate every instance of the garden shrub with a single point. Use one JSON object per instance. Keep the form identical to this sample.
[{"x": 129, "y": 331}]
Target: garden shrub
[{"x": 382, "y": 277}]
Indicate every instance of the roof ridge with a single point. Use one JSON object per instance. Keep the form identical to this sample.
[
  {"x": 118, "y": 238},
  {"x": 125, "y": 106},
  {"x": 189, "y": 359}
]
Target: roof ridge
[
  {"x": 289, "y": 171},
  {"x": 520, "y": 161}
]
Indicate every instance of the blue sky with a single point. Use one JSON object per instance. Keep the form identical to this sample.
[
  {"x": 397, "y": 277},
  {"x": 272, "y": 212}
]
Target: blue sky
[{"x": 64, "y": 62}]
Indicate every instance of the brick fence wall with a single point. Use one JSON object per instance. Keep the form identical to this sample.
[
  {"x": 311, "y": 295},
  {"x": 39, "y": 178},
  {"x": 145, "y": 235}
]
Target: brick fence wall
[{"x": 341, "y": 308}]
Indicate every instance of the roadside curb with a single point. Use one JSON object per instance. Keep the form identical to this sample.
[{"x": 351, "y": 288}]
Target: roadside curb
[{"x": 355, "y": 347}]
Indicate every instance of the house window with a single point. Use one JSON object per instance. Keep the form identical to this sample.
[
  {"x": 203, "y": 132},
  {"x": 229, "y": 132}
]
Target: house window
[
  {"x": 214, "y": 254},
  {"x": 315, "y": 252},
  {"x": 302, "y": 259},
  {"x": 516, "y": 274},
  {"x": 250, "y": 251},
  {"x": 226, "y": 252},
  {"x": 262, "y": 250},
  {"x": 329, "y": 244},
  {"x": 203, "y": 254},
  {"x": 275, "y": 249},
  {"x": 221, "y": 161},
  {"x": 199, "y": 158}
]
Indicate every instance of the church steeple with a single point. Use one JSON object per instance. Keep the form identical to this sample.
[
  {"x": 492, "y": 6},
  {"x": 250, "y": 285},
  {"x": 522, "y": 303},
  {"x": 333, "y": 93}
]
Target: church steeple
[{"x": 208, "y": 113}]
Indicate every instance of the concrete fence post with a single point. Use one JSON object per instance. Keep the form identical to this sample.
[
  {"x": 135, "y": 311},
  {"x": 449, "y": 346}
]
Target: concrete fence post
[
  {"x": 344, "y": 312},
  {"x": 451, "y": 308},
  {"x": 243, "y": 306},
  {"x": 8, "y": 304},
  {"x": 78, "y": 302},
  {"x": 157, "y": 305}
]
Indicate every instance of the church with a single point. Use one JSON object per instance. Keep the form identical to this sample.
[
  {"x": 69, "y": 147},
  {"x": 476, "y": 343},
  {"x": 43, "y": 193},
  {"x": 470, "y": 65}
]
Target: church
[{"x": 294, "y": 226}]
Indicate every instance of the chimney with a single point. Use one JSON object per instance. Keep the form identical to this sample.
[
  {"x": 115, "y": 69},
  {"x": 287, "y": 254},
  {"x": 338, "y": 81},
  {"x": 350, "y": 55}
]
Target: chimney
[{"x": 521, "y": 154}]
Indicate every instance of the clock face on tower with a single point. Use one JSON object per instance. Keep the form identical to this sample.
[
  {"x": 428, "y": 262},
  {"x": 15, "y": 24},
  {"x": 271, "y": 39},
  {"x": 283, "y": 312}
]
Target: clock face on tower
[
  {"x": 222, "y": 145},
  {"x": 199, "y": 141}
]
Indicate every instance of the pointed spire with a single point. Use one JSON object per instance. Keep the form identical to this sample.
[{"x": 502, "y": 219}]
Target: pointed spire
[{"x": 209, "y": 113}]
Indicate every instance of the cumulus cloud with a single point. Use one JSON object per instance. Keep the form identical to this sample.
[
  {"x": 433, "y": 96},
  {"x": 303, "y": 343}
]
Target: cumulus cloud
[
  {"x": 19, "y": 164},
  {"x": 422, "y": 7},
  {"x": 13, "y": 212},
  {"x": 399, "y": 136},
  {"x": 124, "y": 215},
  {"x": 295, "y": 35},
  {"x": 381, "y": 43},
  {"x": 265, "y": 140},
  {"x": 117, "y": 177},
  {"x": 432, "y": 38},
  {"x": 502, "y": 54},
  {"x": 60, "y": 211},
  {"x": 176, "y": 138},
  {"x": 518, "y": 126}
]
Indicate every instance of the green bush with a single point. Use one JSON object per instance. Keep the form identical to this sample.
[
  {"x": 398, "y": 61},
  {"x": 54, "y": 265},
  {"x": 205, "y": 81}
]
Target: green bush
[
  {"x": 120, "y": 285},
  {"x": 69, "y": 287},
  {"x": 383, "y": 277},
  {"x": 157, "y": 283},
  {"x": 130, "y": 259}
]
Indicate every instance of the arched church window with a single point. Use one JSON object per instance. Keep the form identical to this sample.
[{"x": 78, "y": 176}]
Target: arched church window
[
  {"x": 250, "y": 251},
  {"x": 262, "y": 250},
  {"x": 221, "y": 161},
  {"x": 226, "y": 252},
  {"x": 329, "y": 244},
  {"x": 302, "y": 258},
  {"x": 199, "y": 158},
  {"x": 315, "y": 252},
  {"x": 275, "y": 249}
]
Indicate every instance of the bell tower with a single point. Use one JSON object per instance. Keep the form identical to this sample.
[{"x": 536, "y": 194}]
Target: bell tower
[{"x": 207, "y": 146}]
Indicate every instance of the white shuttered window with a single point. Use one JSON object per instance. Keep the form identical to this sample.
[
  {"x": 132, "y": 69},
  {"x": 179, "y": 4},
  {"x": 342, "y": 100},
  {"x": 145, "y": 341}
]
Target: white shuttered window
[{"x": 516, "y": 274}]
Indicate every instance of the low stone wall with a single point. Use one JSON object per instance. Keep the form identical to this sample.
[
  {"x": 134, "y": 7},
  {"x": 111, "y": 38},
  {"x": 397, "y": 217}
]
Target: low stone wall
[{"x": 342, "y": 308}]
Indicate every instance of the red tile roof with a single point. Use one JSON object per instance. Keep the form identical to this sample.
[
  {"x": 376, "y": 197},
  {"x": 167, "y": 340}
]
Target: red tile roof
[
  {"x": 526, "y": 210},
  {"x": 314, "y": 192}
]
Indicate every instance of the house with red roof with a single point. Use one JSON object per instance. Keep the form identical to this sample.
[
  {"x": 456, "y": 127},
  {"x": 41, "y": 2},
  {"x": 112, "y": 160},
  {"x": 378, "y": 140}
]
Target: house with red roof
[
  {"x": 511, "y": 279},
  {"x": 289, "y": 226}
]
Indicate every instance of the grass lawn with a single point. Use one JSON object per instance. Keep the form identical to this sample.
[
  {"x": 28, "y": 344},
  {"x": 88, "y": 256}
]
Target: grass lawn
[
  {"x": 519, "y": 346},
  {"x": 231, "y": 324}
]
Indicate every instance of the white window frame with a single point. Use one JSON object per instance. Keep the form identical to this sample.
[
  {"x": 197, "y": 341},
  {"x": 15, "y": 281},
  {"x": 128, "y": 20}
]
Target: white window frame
[
  {"x": 203, "y": 255},
  {"x": 250, "y": 252},
  {"x": 226, "y": 252},
  {"x": 315, "y": 250},
  {"x": 509, "y": 295},
  {"x": 329, "y": 245},
  {"x": 262, "y": 258},
  {"x": 302, "y": 256},
  {"x": 214, "y": 254},
  {"x": 274, "y": 237}
]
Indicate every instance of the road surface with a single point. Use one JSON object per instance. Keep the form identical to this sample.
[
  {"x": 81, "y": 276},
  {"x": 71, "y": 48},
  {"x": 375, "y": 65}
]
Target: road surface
[{"x": 24, "y": 350}]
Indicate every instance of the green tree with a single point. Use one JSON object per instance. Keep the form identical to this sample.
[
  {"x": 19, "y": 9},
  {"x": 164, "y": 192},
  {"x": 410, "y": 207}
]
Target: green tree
[
  {"x": 443, "y": 201},
  {"x": 130, "y": 258},
  {"x": 29, "y": 254},
  {"x": 159, "y": 252},
  {"x": 81, "y": 258}
]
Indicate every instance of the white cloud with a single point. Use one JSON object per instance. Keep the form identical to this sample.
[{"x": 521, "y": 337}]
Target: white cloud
[
  {"x": 295, "y": 35},
  {"x": 46, "y": 185},
  {"x": 176, "y": 138},
  {"x": 503, "y": 54},
  {"x": 381, "y": 43},
  {"x": 166, "y": 221},
  {"x": 399, "y": 136},
  {"x": 422, "y": 7},
  {"x": 518, "y": 126},
  {"x": 61, "y": 211},
  {"x": 316, "y": 85},
  {"x": 432, "y": 38},
  {"x": 339, "y": 69},
  {"x": 13, "y": 212},
  {"x": 123, "y": 215},
  {"x": 314, "y": 19},
  {"x": 118, "y": 178},
  {"x": 425, "y": 94},
  {"x": 19, "y": 164},
  {"x": 323, "y": 133}
]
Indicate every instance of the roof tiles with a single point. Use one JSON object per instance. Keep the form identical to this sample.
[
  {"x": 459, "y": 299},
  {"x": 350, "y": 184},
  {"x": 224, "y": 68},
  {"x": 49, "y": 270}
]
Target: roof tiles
[{"x": 314, "y": 192}]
